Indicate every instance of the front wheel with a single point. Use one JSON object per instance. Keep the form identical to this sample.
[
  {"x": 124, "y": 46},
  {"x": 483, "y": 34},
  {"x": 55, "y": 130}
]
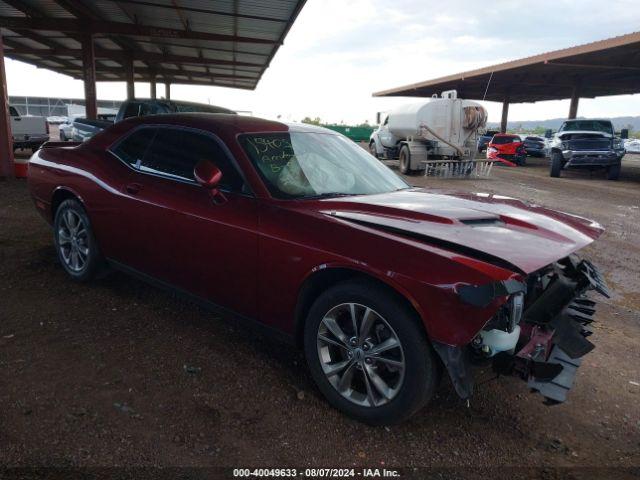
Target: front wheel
[
  {"x": 613, "y": 172},
  {"x": 368, "y": 353},
  {"x": 556, "y": 164},
  {"x": 75, "y": 244},
  {"x": 372, "y": 149}
]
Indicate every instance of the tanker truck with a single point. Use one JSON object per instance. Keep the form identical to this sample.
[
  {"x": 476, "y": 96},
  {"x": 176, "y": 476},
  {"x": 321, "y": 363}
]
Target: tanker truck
[{"x": 438, "y": 134}]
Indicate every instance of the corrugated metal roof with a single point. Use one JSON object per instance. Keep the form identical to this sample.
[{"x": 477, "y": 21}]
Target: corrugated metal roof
[
  {"x": 216, "y": 42},
  {"x": 604, "y": 67}
]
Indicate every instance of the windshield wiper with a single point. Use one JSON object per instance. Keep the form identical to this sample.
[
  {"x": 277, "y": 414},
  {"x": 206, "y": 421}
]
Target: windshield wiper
[{"x": 326, "y": 195}]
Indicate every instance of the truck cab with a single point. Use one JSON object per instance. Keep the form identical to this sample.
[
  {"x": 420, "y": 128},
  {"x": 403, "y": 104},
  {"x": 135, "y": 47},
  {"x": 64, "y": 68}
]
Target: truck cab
[
  {"x": 382, "y": 142},
  {"x": 587, "y": 143}
]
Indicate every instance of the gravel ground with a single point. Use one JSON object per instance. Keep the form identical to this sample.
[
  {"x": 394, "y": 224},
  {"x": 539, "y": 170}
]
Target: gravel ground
[{"x": 118, "y": 373}]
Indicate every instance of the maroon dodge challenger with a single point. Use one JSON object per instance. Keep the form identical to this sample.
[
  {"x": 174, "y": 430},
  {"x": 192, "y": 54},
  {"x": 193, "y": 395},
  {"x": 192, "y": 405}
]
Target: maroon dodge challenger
[{"x": 384, "y": 286}]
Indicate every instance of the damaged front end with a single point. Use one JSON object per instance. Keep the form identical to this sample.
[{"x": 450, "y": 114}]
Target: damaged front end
[{"x": 539, "y": 334}]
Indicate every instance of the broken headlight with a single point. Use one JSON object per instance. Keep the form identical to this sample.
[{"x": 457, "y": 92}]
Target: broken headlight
[
  {"x": 502, "y": 332},
  {"x": 509, "y": 315},
  {"x": 516, "y": 307}
]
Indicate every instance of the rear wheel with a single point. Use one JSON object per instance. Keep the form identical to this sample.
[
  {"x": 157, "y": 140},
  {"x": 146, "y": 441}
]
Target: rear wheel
[
  {"x": 405, "y": 160},
  {"x": 63, "y": 136},
  {"x": 75, "y": 244},
  {"x": 556, "y": 164},
  {"x": 368, "y": 353},
  {"x": 613, "y": 172}
]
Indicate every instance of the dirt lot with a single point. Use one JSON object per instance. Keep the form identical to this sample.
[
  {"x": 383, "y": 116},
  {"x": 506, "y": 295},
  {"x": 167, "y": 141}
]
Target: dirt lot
[{"x": 120, "y": 373}]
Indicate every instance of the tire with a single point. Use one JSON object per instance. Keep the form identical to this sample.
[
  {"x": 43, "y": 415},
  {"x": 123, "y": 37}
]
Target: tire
[
  {"x": 408, "y": 388},
  {"x": 372, "y": 149},
  {"x": 523, "y": 161},
  {"x": 63, "y": 136},
  {"x": 556, "y": 164},
  {"x": 405, "y": 160},
  {"x": 75, "y": 243},
  {"x": 613, "y": 172}
]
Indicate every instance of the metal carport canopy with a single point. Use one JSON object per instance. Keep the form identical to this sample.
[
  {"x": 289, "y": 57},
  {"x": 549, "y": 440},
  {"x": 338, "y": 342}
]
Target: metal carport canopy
[
  {"x": 606, "y": 67},
  {"x": 227, "y": 43}
]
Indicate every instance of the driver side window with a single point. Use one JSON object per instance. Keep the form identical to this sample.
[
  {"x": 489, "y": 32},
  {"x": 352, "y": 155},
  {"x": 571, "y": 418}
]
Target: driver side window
[{"x": 175, "y": 152}]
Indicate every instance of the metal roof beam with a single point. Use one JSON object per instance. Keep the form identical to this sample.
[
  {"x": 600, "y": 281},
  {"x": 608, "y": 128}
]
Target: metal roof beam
[
  {"x": 119, "y": 28},
  {"x": 146, "y": 72},
  {"x": 204, "y": 48},
  {"x": 176, "y": 81},
  {"x": 120, "y": 55},
  {"x": 602, "y": 66}
]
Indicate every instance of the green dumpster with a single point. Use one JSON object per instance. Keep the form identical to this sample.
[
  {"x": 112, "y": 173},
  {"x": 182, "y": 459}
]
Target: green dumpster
[{"x": 357, "y": 134}]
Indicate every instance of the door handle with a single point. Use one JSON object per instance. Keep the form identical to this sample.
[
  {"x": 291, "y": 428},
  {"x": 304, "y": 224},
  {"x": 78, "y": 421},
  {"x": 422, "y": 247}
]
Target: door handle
[{"x": 133, "y": 188}]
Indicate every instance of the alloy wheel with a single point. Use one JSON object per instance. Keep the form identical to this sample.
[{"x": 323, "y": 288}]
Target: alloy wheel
[
  {"x": 360, "y": 354},
  {"x": 73, "y": 241}
]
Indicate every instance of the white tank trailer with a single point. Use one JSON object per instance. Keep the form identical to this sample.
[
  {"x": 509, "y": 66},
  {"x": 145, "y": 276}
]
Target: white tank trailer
[{"x": 443, "y": 128}]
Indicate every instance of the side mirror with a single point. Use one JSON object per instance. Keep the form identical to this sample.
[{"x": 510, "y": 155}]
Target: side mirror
[
  {"x": 548, "y": 133},
  {"x": 624, "y": 133},
  {"x": 208, "y": 175}
]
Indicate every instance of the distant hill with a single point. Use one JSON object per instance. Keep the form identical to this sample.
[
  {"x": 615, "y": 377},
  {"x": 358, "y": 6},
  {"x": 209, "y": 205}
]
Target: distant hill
[{"x": 554, "y": 124}]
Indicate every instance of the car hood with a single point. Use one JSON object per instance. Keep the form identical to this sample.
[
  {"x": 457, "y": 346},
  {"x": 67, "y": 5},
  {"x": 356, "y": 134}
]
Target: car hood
[
  {"x": 501, "y": 230},
  {"x": 584, "y": 132}
]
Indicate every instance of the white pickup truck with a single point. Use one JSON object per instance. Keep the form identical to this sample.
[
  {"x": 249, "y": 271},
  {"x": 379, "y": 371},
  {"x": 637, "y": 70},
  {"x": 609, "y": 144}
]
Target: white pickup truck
[{"x": 28, "y": 132}]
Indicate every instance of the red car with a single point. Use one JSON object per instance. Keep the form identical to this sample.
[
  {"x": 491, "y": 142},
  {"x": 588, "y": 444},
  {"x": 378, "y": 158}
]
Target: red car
[
  {"x": 382, "y": 285},
  {"x": 507, "y": 149}
]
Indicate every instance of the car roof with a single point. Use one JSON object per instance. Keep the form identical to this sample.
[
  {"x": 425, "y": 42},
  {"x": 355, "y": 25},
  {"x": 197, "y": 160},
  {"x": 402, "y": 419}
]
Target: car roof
[
  {"x": 217, "y": 122},
  {"x": 588, "y": 120}
]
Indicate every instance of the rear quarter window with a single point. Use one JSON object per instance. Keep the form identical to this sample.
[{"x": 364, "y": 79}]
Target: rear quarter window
[{"x": 133, "y": 148}]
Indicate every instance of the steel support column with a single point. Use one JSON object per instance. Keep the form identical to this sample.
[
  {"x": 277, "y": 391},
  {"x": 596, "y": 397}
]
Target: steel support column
[
  {"x": 505, "y": 114},
  {"x": 573, "y": 106},
  {"x": 89, "y": 77},
  {"x": 131, "y": 89},
  {"x": 167, "y": 90},
  {"x": 152, "y": 85},
  {"x": 6, "y": 140}
]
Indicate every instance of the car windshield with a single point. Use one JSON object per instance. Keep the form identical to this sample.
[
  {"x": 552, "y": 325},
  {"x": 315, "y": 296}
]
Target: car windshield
[
  {"x": 588, "y": 126},
  {"x": 307, "y": 165},
  {"x": 503, "y": 139}
]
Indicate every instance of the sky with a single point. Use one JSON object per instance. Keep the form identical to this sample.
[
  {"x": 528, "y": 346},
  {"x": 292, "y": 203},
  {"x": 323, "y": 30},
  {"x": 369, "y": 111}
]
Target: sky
[{"x": 339, "y": 52}]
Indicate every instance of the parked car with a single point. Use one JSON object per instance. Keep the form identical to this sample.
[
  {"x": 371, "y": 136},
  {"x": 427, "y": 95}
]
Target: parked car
[
  {"x": 66, "y": 128},
  {"x": 85, "y": 128},
  {"x": 587, "y": 143},
  {"x": 508, "y": 149},
  {"x": 534, "y": 146},
  {"x": 485, "y": 138},
  {"x": 297, "y": 228},
  {"x": 28, "y": 131},
  {"x": 632, "y": 146}
]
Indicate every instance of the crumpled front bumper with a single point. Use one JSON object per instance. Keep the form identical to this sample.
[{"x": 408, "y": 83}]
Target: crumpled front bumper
[
  {"x": 554, "y": 331},
  {"x": 579, "y": 158}
]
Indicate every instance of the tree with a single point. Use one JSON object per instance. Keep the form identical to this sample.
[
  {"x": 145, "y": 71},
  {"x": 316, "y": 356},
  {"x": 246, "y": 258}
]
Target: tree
[{"x": 312, "y": 121}]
